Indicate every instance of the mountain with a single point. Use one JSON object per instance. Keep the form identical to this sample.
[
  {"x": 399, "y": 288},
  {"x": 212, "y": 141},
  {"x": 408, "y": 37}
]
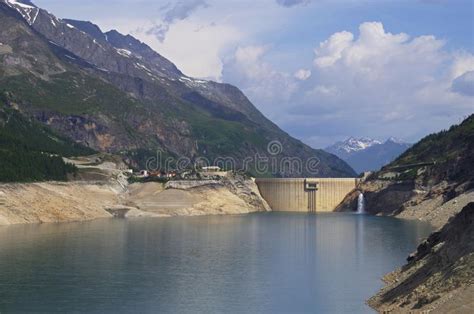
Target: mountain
[
  {"x": 113, "y": 93},
  {"x": 344, "y": 149},
  {"x": 365, "y": 154},
  {"x": 374, "y": 157}
]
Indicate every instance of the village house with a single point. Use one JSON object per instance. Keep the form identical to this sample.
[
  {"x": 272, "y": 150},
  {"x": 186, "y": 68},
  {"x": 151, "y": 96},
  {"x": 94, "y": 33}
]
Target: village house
[{"x": 211, "y": 169}]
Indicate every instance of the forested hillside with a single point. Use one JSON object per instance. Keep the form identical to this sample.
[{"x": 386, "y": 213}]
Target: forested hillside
[{"x": 31, "y": 152}]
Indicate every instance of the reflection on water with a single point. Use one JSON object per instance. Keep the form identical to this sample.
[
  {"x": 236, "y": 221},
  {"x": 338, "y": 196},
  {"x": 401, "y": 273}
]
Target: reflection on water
[{"x": 262, "y": 263}]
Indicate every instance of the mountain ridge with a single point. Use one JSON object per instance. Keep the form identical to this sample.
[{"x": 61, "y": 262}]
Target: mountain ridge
[
  {"x": 366, "y": 154},
  {"x": 352, "y": 144}
]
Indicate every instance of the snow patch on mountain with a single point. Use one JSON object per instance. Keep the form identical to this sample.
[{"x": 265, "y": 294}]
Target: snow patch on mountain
[
  {"x": 141, "y": 66},
  {"x": 29, "y": 12},
  {"x": 124, "y": 52},
  {"x": 194, "y": 83},
  {"x": 20, "y": 4}
]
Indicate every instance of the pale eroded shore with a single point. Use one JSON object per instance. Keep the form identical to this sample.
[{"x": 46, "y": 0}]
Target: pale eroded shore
[{"x": 79, "y": 201}]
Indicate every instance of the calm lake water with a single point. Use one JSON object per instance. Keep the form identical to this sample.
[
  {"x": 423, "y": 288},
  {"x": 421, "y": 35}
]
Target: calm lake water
[{"x": 260, "y": 263}]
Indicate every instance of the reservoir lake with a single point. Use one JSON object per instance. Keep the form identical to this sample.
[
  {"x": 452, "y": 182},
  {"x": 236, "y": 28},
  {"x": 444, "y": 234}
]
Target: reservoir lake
[{"x": 257, "y": 263}]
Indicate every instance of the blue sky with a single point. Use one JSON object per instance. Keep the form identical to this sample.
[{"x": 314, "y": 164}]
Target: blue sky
[{"x": 321, "y": 69}]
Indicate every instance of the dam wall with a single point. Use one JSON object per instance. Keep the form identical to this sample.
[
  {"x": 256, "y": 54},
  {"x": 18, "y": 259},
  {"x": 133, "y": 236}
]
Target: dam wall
[{"x": 305, "y": 195}]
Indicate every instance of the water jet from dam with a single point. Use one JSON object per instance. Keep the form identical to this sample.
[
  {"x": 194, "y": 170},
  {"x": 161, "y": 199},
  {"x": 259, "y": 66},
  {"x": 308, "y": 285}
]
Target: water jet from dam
[{"x": 361, "y": 204}]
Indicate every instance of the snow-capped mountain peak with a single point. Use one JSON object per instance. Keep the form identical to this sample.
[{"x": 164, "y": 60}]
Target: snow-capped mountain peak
[
  {"x": 366, "y": 154},
  {"x": 353, "y": 144}
]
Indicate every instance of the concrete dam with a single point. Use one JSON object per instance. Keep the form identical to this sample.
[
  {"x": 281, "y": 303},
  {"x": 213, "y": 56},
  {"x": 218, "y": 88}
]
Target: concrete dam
[{"x": 305, "y": 195}]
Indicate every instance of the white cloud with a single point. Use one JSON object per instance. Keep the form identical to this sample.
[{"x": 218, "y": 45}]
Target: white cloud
[
  {"x": 390, "y": 84},
  {"x": 376, "y": 54},
  {"x": 330, "y": 50},
  {"x": 195, "y": 46},
  {"x": 463, "y": 62},
  {"x": 263, "y": 84},
  {"x": 249, "y": 56},
  {"x": 375, "y": 84},
  {"x": 302, "y": 74}
]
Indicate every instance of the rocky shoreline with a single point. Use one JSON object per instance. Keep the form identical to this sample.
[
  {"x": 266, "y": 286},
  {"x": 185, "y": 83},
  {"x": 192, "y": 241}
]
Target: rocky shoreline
[
  {"x": 439, "y": 275},
  {"x": 407, "y": 200},
  {"x": 79, "y": 201}
]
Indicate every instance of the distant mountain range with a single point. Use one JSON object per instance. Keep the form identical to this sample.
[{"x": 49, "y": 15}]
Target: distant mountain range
[
  {"x": 112, "y": 93},
  {"x": 366, "y": 154}
]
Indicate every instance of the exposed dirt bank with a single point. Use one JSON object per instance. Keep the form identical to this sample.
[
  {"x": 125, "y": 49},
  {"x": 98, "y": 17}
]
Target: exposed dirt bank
[
  {"x": 55, "y": 202},
  {"x": 85, "y": 200},
  {"x": 189, "y": 198}
]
